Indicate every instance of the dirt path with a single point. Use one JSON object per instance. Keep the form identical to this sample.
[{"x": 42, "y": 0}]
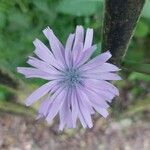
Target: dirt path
[{"x": 18, "y": 133}]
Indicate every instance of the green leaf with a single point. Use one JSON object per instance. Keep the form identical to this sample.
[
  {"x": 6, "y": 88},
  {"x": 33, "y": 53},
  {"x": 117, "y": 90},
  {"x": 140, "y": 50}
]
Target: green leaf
[
  {"x": 139, "y": 76},
  {"x": 2, "y": 20},
  {"x": 2, "y": 96},
  {"x": 79, "y": 7},
  {"x": 142, "y": 29},
  {"x": 6, "y": 5},
  {"x": 136, "y": 52},
  {"x": 44, "y": 9},
  {"x": 146, "y": 10},
  {"x": 42, "y": 5},
  {"x": 138, "y": 67},
  {"x": 18, "y": 19}
]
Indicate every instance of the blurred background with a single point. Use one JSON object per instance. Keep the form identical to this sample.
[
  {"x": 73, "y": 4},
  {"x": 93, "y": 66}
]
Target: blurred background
[{"x": 21, "y": 21}]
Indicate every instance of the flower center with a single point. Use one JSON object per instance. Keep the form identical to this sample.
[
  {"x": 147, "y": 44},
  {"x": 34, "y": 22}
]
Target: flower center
[{"x": 72, "y": 77}]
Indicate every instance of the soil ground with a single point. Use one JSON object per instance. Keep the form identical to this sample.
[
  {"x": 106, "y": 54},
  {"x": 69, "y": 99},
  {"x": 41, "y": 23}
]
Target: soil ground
[{"x": 21, "y": 133}]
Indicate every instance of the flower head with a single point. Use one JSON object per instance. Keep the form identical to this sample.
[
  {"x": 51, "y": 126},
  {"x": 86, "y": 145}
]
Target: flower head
[{"x": 77, "y": 87}]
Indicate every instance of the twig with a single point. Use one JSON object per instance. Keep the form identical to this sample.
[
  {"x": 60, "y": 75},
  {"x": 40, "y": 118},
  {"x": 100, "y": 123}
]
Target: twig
[
  {"x": 16, "y": 109},
  {"x": 8, "y": 79}
]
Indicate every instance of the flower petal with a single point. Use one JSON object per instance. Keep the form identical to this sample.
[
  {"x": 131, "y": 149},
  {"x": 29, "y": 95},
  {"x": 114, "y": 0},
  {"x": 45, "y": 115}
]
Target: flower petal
[
  {"x": 102, "y": 85},
  {"x": 55, "y": 44},
  {"x": 102, "y": 76},
  {"x": 65, "y": 112},
  {"x": 101, "y": 111},
  {"x": 86, "y": 102},
  {"x": 88, "y": 39},
  {"x": 99, "y": 105},
  {"x": 76, "y": 53},
  {"x": 85, "y": 55},
  {"x": 40, "y": 92},
  {"x": 45, "y": 54},
  {"x": 78, "y": 43},
  {"x": 68, "y": 48},
  {"x": 44, "y": 106},
  {"x": 86, "y": 116},
  {"x": 33, "y": 73},
  {"x": 96, "y": 98},
  {"x": 79, "y": 36},
  {"x": 97, "y": 61},
  {"x": 85, "y": 112},
  {"x": 75, "y": 108},
  {"x": 103, "y": 96},
  {"x": 41, "y": 65},
  {"x": 58, "y": 99},
  {"x": 42, "y": 51},
  {"x": 106, "y": 67}
]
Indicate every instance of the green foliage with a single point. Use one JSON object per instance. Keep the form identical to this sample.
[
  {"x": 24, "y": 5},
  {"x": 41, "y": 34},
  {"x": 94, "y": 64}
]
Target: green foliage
[
  {"x": 139, "y": 76},
  {"x": 146, "y": 10},
  {"x": 42, "y": 6},
  {"x": 80, "y": 7},
  {"x": 142, "y": 30},
  {"x": 139, "y": 67},
  {"x": 21, "y": 21},
  {"x": 2, "y": 20},
  {"x": 2, "y": 95}
]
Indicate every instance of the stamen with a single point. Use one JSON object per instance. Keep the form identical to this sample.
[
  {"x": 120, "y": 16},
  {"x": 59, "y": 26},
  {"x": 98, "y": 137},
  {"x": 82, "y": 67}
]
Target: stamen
[{"x": 71, "y": 77}]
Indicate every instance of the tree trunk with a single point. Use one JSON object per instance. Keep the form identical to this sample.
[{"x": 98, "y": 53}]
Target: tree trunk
[{"x": 120, "y": 18}]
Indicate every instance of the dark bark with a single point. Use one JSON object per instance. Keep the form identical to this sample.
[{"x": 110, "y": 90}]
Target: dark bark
[{"x": 120, "y": 18}]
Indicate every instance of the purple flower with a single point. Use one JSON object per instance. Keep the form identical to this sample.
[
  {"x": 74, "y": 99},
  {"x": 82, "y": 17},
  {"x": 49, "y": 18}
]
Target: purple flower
[{"x": 77, "y": 87}]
